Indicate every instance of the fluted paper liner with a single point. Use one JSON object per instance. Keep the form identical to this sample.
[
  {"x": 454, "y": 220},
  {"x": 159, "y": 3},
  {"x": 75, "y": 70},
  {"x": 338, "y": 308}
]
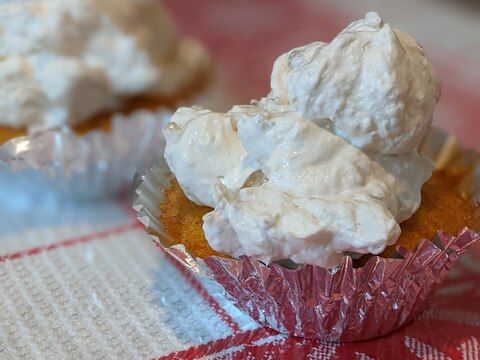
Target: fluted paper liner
[{"x": 340, "y": 304}]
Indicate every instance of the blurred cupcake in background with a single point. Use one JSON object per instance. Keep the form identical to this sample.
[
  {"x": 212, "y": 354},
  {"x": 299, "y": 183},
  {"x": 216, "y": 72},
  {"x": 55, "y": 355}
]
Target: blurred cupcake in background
[{"x": 70, "y": 68}]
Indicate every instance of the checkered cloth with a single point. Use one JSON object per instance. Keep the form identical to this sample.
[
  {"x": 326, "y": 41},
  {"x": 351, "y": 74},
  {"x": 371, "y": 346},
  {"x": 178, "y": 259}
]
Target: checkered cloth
[{"x": 83, "y": 280}]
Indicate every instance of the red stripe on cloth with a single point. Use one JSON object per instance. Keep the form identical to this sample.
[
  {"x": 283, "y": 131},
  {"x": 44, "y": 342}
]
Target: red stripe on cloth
[
  {"x": 70, "y": 242},
  {"x": 217, "y": 346},
  {"x": 288, "y": 347},
  {"x": 202, "y": 291}
]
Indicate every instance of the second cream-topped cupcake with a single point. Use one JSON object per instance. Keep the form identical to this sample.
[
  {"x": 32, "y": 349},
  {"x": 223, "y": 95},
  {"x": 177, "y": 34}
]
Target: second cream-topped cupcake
[
  {"x": 65, "y": 62},
  {"x": 86, "y": 87}
]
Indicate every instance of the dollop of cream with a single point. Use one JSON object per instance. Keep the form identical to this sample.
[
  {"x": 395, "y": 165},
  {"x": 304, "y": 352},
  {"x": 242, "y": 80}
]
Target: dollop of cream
[
  {"x": 286, "y": 184},
  {"x": 206, "y": 142},
  {"x": 74, "y": 58},
  {"x": 372, "y": 85},
  {"x": 284, "y": 188}
]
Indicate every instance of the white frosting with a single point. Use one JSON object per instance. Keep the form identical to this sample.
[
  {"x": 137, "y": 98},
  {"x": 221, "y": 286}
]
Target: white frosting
[
  {"x": 318, "y": 196},
  {"x": 371, "y": 84},
  {"x": 285, "y": 185},
  {"x": 208, "y": 144},
  {"x": 79, "y": 57}
]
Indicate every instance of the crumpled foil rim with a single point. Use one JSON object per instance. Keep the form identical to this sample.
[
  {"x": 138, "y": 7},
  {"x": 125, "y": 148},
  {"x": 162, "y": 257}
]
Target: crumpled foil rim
[{"x": 340, "y": 304}]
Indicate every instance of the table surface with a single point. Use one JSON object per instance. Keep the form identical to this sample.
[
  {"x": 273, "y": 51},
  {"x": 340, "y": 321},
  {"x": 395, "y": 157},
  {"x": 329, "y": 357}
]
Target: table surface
[{"x": 83, "y": 280}]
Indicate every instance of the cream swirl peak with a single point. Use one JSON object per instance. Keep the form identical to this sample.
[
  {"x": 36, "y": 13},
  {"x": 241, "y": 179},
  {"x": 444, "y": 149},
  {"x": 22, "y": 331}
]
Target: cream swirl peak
[
  {"x": 62, "y": 61},
  {"x": 371, "y": 84},
  {"x": 284, "y": 184}
]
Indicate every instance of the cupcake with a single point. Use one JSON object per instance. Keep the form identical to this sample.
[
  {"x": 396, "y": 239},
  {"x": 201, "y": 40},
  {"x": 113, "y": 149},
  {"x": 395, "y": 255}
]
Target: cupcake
[
  {"x": 80, "y": 66},
  {"x": 275, "y": 199}
]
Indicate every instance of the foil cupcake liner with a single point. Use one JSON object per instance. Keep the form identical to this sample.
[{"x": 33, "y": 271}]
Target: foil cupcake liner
[
  {"x": 96, "y": 164},
  {"x": 340, "y": 304}
]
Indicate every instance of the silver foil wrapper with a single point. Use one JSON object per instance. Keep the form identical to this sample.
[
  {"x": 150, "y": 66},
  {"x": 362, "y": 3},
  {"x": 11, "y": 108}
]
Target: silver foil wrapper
[
  {"x": 340, "y": 304},
  {"x": 96, "y": 164}
]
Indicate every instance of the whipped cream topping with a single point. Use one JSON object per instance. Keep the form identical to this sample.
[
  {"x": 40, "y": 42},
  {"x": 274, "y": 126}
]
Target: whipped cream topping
[
  {"x": 208, "y": 143},
  {"x": 65, "y": 60},
  {"x": 371, "y": 84},
  {"x": 284, "y": 183}
]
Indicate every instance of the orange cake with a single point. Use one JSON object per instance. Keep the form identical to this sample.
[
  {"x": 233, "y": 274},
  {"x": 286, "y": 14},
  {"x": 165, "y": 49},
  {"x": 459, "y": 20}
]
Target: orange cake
[{"x": 442, "y": 208}]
